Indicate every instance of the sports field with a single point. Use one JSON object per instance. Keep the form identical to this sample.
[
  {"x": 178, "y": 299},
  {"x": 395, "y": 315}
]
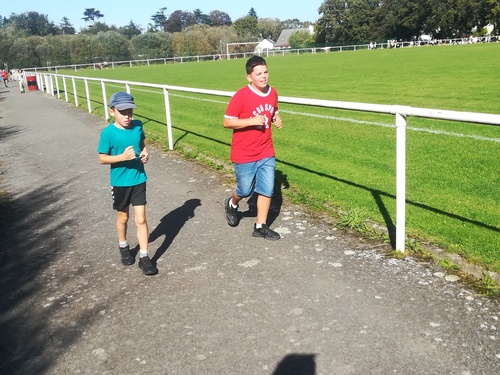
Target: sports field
[{"x": 344, "y": 160}]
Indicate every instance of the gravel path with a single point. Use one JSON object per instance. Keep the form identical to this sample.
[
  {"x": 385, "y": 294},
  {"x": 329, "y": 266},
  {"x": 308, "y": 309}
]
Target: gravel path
[{"x": 316, "y": 302}]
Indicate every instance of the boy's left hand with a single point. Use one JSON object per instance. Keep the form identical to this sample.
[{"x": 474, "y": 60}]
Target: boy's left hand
[
  {"x": 144, "y": 156},
  {"x": 277, "y": 121}
]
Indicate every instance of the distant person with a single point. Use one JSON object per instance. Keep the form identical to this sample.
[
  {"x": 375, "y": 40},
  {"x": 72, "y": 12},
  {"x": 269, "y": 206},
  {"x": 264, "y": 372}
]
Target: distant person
[
  {"x": 250, "y": 113},
  {"x": 20, "y": 80},
  {"x": 5, "y": 77},
  {"x": 122, "y": 146}
]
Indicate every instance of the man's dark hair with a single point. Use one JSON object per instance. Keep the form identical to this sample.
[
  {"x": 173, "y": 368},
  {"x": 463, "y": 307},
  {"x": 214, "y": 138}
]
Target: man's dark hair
[{"x": 253, "y": 62}]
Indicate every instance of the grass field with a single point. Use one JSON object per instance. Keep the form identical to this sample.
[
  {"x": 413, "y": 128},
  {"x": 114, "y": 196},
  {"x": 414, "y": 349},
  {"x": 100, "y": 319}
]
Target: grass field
[{"x": 345, "y": 160}]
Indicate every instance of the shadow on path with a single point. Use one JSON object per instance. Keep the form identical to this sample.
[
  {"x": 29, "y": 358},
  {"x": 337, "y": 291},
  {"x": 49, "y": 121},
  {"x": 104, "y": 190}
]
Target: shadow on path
[
  {"x": 171, "y": 224},
  {"x": 34, "y": 230},
  {"x": 296, "y": 364}
]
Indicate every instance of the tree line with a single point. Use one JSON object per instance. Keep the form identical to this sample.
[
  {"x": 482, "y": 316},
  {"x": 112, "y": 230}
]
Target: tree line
[
  {"x": 30, "y": 39},
  {"x": 342, "y": 21}
]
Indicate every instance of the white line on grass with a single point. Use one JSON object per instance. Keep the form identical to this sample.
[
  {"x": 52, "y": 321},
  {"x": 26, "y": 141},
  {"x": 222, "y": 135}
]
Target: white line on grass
[{"x": 432, "y": 131}]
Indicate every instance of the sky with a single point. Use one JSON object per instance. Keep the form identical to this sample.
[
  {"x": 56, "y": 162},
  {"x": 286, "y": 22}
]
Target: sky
[{"x": 120, "y": 13}]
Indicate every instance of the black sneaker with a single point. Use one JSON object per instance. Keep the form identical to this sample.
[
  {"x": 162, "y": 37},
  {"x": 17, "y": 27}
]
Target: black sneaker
[
  {"x": 146, "y": 266},
  {"x": 231, "y": 213},
  {"x": 265, "y": 232},
  {"x": 127, "y": 258}
]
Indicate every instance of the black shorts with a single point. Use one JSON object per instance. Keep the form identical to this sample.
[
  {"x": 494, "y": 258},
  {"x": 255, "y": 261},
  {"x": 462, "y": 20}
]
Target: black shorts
[{"x": 123, "y": 196}]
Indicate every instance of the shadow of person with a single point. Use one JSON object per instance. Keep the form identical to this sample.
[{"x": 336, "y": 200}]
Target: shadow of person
[
  {"x": 296, "y": 364},
  {"x": 280, "y": 182},
  {"x": 171, "y": 224}
]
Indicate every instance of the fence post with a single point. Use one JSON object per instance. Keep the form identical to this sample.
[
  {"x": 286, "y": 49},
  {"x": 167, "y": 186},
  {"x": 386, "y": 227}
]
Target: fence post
[
  {"x": 57, "y": 87},
  {"x": 43, "y": 83},
  {"x": 88, "y": 94},
  {"x": 65, "y": 89},
  {"x": 169, "y": 121},
  {"x": 48, "y": 85},
  {"x": 104, "y": 100},
  {"x": 74, "y": 92},
  {"x": 400, "y": 180}
]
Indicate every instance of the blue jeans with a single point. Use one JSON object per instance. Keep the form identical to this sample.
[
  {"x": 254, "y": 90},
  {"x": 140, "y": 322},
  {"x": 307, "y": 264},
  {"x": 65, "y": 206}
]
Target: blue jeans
[{"x": 255, "y": 176}]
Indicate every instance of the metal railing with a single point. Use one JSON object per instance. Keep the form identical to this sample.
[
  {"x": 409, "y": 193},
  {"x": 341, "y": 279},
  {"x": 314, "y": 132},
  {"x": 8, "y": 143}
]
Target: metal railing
[{"x": 400, "y": 113}]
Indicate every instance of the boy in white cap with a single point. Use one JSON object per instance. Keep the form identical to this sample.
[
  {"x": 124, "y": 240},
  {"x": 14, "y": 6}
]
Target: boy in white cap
[{"x": 121, "y": 145}]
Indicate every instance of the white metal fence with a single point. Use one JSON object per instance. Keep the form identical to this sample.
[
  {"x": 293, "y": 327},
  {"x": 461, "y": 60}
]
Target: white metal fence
[{"x": 46, "y": 84}]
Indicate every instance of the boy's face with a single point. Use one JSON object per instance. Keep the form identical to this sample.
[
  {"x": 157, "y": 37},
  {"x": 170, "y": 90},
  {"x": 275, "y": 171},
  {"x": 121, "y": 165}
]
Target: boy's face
[
  {"x": 259, "y": 77},
  {"x": 123, "y": 117}
]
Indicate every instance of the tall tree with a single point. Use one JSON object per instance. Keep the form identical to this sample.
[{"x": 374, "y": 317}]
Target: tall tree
[
  {"x": 345, "y": 21},
  {"x": 159, "y": 19},
  {"x": 294, "y": 23},
  {"x": 98, "y": 27},
  {"x": 253, "y": 13},
  {"x": 152, "y": 45},
  {"x": 494, "y": 14},
  {"x": 359, "y": 19},
  {"x": 34, "y": 24},
  {"x": 246, "y": 27},
  {"x": 91, "y": 15},
  {"x": 330, "y": 25},
  {"x": 112, "y": 46},
  {"x": 24, "y": 52},
  {"x": 269, "y": 28},
  {"x": 385, "y": 20},
  {"x": 60, "y": 51},
  {"x": 201, "y": 18},
  {"x": 130, "y": 30},
  {"x": 179, "y": 20},
  {"x": 301, "y": 39},
  {"x": 66, "y": 27},
  {"x": 219, "y": 18}
]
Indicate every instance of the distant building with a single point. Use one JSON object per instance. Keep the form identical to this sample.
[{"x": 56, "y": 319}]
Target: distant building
[
  {"x": 283, "y": 39},
  {"x": 263, "y": 46}
]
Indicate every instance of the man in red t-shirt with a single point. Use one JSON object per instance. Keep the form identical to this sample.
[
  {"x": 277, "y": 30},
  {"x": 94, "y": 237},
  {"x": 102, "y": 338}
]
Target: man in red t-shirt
[{"x": 250, "y": 113}]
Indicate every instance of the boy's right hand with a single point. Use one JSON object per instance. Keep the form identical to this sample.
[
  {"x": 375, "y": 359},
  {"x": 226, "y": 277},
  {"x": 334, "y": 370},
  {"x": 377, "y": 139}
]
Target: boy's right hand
[
  {"x": 259, "y": 120},
  {"x": 129, "y": 153}
]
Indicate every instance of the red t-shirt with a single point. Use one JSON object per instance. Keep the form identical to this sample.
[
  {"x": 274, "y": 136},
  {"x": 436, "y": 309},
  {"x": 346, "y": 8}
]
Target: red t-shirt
[{"x": 252, "y": 143}]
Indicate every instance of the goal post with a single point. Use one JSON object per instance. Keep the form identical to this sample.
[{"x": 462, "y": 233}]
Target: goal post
[{"x": 228, "y": 56}]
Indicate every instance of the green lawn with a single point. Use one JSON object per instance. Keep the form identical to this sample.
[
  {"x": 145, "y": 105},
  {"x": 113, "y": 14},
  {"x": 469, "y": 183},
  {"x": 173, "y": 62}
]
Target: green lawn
[{"x": 346, "y": 159}]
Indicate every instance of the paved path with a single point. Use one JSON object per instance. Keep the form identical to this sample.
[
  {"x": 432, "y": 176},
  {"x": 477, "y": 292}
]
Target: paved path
[{"x": 224, "y": 303}]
